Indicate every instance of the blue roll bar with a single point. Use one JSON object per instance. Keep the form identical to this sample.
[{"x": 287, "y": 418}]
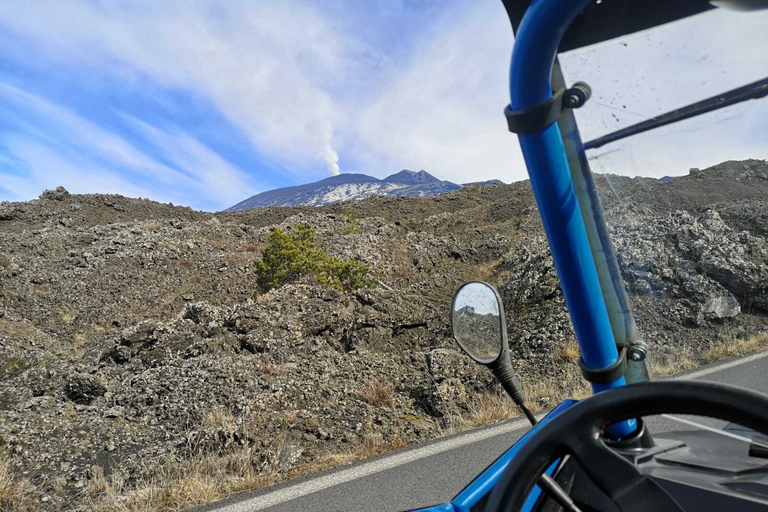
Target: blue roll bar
[{"x": 530, "y": 74}]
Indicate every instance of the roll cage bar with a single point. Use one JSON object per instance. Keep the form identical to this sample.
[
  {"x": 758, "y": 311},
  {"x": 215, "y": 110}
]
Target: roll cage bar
[
  {"x": 562, "y": 181},
  {"x": 599, "y": 21}
]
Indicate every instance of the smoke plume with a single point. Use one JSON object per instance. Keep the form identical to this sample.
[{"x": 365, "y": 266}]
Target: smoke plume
[{"x": 328, "y": 154}]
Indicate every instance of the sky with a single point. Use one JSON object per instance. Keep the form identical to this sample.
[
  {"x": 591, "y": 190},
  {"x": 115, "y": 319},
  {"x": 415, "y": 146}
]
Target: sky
[{"x": 205, "y": 103}]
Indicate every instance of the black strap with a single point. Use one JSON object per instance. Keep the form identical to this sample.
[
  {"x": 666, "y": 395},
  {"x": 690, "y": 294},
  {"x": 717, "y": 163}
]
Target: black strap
[
  {"x": 537, "y": 117},
  {"x": 608, "y": 374},
  {"x": 540, "y": 116}
]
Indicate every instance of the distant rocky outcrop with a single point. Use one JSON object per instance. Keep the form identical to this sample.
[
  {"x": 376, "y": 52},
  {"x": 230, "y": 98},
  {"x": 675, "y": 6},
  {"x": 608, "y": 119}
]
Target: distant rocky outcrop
[{"x": 127, "y": 325}]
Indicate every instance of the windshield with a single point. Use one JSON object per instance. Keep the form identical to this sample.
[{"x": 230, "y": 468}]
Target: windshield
[{"x": 643, "y": 75}]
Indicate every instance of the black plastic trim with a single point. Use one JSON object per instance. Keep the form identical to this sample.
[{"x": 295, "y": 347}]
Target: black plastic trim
[
  {"x": 607, "y": 20},
  {"x": 608, "y": 374}
]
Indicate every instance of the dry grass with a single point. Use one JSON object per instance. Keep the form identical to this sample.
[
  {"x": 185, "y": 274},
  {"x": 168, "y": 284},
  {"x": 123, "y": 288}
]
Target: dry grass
[
  {"x": 38, "y": 292},
  {"x": 252, "y": 248},
  {"x": 368, "y": 447},
  {"x": 217, "y": 243},
  {"x": 402, "y": 270},
  {"x": 568, "y": 352},
  {"x": 377, "y": 394},
  {"x": 155, "y": 226},
  {"x": 287, "y": 416},
  {"x": 5, "y": 261},
  {"x": 178, "y": 486},
  {"x": 484, "y": 410},
  {"x": 206, "y": 478},
  {"x": 19, "y": 330},
  {"x": 543, "y": 394},
  {"x": 67, "y": 317},
  {"x": 16, "y": 494},
  {"x": 165, "y": 303},
  {"x": 79, "y": 345},
  {"x": 402, "y": 260},
  {"x": 681, "y": 361},
  {"x": 486, "y": 270},
  {"x": 218, "y": 416},
  {"x": 239, "y": 259},
  {"x": 546, "y": 393},
  {"x": 272, "y": 369},
  {"x": 185, "y": 264},
  {"x": 684, "y": 359},
  {"x": 492, "y": 407},
  {"x": 736, "y": 347}
]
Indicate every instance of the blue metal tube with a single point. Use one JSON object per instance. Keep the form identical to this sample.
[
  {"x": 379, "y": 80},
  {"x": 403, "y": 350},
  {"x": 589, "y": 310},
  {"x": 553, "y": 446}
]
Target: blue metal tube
[{"x": 533, "y": 56}]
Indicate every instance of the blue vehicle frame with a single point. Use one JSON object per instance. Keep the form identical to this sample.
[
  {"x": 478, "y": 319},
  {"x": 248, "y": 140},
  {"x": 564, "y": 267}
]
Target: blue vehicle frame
[
  {"x": 545, "y": 155},
  {"x": 565, "y": 194},
  {"x": 480, "y": 487},
  {"x": 530, "y": 84}
]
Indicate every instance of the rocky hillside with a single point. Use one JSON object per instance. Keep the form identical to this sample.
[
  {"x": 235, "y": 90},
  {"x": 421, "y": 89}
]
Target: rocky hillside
[{"x": 132, "y": 336}]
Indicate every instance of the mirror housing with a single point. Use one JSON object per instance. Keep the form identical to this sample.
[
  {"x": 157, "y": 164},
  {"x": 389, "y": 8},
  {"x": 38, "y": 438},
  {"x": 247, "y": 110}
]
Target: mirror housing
[
  {"x": 480, "y": 329},
  {"x": 477, "y": 322}
]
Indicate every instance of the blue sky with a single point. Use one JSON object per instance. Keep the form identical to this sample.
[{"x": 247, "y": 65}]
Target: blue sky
[{"x": 205, "y": 103}]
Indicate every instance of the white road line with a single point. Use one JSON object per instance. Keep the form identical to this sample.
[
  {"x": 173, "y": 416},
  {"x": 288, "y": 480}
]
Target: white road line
[
  {"x": 721, "y": 367},
  {"x": 370, "y": 468}
]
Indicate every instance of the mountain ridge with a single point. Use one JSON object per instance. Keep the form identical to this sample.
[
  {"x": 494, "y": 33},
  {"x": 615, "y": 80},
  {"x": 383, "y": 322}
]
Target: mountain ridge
[{"x": 352, "y": 186}]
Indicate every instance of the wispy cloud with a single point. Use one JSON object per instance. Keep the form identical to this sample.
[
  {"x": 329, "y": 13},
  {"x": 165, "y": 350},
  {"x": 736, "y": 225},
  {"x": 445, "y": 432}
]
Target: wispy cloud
[
  {"x": 203, "y": 169},
  {"x": 45, "y": 169},
  {"x": 444, "y": 111},
  {"x": 259, "y": 63},
  {"x": 54, "y": 143},
  {"x": 65, "y": 128}
]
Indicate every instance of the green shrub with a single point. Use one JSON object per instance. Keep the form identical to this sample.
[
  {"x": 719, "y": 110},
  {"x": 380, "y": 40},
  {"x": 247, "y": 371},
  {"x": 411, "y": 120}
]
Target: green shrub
[
  {"x": 351, "y": 223},
  {"x": 289, "y": 257}
]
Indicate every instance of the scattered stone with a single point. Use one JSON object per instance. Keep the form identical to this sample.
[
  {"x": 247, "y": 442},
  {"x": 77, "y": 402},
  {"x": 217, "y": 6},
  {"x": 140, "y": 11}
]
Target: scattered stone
[{"x": 289, "y": 455}]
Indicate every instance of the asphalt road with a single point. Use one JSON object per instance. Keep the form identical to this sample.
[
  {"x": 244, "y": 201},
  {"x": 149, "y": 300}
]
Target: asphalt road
[{"x": 437, "y": 471}]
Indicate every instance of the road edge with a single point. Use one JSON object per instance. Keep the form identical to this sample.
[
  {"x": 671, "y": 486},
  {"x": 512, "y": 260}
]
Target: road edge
[{"x": 309, "y": 484}]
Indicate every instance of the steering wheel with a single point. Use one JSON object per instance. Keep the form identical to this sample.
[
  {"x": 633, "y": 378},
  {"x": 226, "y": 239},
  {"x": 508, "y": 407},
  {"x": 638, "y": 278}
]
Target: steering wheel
[{"x": 577, "y": 432}]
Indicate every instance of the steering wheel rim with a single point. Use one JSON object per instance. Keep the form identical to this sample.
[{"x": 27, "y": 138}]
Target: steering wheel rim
[{"x": 576, "y": 432}]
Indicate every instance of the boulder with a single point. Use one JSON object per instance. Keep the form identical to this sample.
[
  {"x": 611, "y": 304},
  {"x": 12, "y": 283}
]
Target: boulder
[
  {"x": 83, "y": 389},
  {"x": 721, "y": 307}
]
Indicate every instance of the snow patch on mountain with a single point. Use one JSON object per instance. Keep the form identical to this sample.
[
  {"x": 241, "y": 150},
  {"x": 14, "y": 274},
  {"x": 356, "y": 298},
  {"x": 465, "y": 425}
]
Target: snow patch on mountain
[{"x": 351, "y": 191}]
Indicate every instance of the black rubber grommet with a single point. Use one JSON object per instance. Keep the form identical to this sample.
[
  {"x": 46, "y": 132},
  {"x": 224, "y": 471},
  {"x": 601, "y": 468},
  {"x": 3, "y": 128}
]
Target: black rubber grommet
[
  {"x": 577, "y": 96},
  {"x": 608, "y": 374}
]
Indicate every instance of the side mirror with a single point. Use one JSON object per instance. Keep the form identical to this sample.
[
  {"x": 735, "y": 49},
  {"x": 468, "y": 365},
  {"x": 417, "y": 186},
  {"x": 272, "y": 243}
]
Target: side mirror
[{"x": 477, "y": 320}]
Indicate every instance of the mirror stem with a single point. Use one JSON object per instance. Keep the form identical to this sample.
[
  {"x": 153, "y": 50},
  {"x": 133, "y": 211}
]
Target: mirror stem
[
  {"x": 506, "y": 376},
  {"x": 528, "y": 414}
]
